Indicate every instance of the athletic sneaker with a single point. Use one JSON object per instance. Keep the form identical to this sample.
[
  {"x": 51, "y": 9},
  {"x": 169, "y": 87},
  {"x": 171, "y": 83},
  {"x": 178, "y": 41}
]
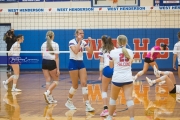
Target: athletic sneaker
[
  {"x": 5, "y": 85},
  {"x": 104, "y": 113},
  {"x": 48, "y": 99},
  {"x": 156, "y": 71},
  {"x": 52, "y": 99},
  {"x": 15, "y": 90},
  {"x": 109, "y": 117},
  {"x": 149, "y": 81},
  {"x": 89, "y": 108},
  {"x": 69, "y": 104}
]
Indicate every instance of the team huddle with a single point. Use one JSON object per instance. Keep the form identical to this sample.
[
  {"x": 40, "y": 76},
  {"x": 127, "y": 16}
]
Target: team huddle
[{"x": 115, "y": 67}]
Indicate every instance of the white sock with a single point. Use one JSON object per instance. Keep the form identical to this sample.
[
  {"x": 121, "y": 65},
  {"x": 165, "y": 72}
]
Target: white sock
[
  {"x": 14, "y": 86},
  {"x": 132, "y": 118},
  {"x": 48, "y": 92}
]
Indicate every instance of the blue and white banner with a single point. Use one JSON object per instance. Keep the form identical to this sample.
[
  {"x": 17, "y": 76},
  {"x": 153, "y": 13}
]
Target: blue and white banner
[
  {"x": 89, "y": 9},
  {"x": 8, "y": 1}
]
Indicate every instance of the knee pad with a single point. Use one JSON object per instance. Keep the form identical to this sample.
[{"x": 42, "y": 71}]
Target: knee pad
[
  {"x": 15, "y": 77},
  {"x": 129, "y": 103},
  {"x": 84, "y": 90},
  {"x": 166, "y": 73},
  {"x": 72, "y": 91},
  {"x": 48, "y": 83},
  {"x": 104, "y": 94},
  {"x": 140, "y": 73},
  {"x": 112, "y": 102},
  {"x": 163, "y": 78},
  {"x": 56, "y": 82}
]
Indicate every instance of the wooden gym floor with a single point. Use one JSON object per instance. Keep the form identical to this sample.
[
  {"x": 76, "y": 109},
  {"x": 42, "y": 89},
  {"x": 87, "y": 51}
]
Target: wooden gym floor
[{"x": 150, "y": 102}]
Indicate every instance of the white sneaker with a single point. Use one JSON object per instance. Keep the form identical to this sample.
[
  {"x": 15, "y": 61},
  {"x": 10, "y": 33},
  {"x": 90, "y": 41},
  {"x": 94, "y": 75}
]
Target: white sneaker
[
  {"x": 109, "y": 118},
  {"x": 15, "y": 90},
  {"x": 156, "y": 71},
  {"x": 149, "y": 81},
  {"x": 162, "y": 82},
  {"x": 89, "y": 108},
  {"x": 69, "y": 104},
  {"x": 52, "y": 99},
  {"x": 5, "y": 85},
  {"x": 47, "y": 98}
]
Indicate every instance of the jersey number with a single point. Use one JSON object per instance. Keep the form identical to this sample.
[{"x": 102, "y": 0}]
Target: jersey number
[{"x": 122, "y": 58}]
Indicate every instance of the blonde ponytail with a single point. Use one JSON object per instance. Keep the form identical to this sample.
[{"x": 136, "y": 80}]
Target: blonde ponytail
[
  {"x": 125, "y": 52},
  {"x": 49, "y": 36}
]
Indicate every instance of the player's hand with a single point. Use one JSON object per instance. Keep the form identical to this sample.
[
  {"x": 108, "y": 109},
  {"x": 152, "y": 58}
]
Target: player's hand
[
  {"x": 90, "y": 39},
  {"x": 58, "y": 72},
  {"x": 100, "y": 78},
  {"x": 79, "y": 38},
  {"x": 174, "y": 67},
  {"x": 151, "y": 58}
]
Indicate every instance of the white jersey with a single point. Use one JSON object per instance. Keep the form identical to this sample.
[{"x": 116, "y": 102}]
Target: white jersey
[
  {"x": 122, "y": 68},
  {"x": 105, "y": 57},
  {"x": 78, "y": 56},
  {"x": 15, "y": 49},
  {"x": 47, "y": 55},
  {"x": 176, "y": 49}
]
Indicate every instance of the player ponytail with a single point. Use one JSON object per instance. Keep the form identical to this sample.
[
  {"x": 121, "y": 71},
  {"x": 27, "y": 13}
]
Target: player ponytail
[
  {"x": 108, "y": 44},
  {"x": 122, "y": 41},
  {"x": 49, "y": 36}
]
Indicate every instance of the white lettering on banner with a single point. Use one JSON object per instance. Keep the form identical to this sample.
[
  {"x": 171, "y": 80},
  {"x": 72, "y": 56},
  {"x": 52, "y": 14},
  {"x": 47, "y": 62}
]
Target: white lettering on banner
[
  {"x": 62, "y": 9},
  {"x": 112, "y": 9},
  {"x": 132, "y": 8},
  {"x": 81, "y": 9},
  {"x": 164, "y": 7}
]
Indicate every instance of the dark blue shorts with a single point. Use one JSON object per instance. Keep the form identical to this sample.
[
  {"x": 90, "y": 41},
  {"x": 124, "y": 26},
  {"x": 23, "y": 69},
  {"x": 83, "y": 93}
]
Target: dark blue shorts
[
  {"x": 75, "y": 64},
  {"x": 121, "y": 84},
  {"x": 108, "y": 72}
]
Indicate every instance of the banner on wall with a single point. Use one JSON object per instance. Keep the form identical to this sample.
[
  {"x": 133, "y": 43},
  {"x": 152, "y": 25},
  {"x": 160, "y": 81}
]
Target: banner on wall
[
  {"x": 31, "y": 0},
  {"x": 64, "y": 0},
  {"x": 8, "y": 1},
  {"x": 92, "y": 9}
]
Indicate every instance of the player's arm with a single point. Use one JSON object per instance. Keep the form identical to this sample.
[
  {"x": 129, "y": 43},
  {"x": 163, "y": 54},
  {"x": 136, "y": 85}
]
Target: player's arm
[
  {"x": 111, "y": 62},
  {"x": 174, "y": 56},
  {"x": 89, "y": 48},
  {"x": 75, "y": 48},
  {"x": 101, "y": 66},
  {"x": 152, "y": 52},
  {"x": 57, "y": 58}
]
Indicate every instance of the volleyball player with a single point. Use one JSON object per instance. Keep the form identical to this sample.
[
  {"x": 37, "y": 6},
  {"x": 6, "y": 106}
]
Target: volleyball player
[
  {"x": 105, "y": 71},
  {"x": 177, "y": 54},
  {"x": 14, "y": 52},
  {"x": 50, "y": 65},
  {"x": 172, "y": 87},
  {"x": 121, "y": 59},
  {"x": 150, "y": 59},
  {"x": 77, "y": 69}
]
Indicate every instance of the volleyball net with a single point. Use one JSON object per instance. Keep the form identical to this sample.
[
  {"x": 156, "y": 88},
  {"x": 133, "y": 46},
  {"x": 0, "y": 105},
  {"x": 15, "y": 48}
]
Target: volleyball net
[{"x": 144, "y": 27}]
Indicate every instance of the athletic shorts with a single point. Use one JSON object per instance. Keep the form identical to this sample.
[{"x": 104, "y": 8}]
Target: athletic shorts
[
  {"x": 122, "y": 84},
  {"x": 176, "y": 89},
  {"x": 75, "y": 64},
  {"x": 48, "y": 64},
  {"x": 148, "y": 60},
  {"x": 108, "y": 72}
]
